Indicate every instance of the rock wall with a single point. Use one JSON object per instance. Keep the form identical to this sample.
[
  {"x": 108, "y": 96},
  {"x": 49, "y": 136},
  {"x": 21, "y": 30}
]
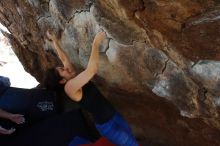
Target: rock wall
[{"x": 159, "y": 65}]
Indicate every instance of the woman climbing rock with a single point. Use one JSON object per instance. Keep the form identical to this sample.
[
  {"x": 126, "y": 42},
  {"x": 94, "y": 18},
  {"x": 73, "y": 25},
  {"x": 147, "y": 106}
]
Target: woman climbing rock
[{"x": 80, "y": 89}]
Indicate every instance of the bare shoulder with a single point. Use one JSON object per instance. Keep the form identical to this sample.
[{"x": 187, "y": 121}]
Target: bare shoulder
[
  {"x": 74, "y": 95},
  {"x": 78, "y": 95}
]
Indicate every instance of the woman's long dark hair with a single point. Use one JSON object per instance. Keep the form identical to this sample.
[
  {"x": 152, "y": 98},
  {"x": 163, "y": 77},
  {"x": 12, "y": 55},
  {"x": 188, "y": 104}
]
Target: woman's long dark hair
[{"x": 51, "y": 80}]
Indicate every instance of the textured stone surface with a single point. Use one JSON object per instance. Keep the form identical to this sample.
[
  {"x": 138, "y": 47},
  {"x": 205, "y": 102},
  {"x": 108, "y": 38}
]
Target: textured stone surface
[{"x": 159, "y": 65}]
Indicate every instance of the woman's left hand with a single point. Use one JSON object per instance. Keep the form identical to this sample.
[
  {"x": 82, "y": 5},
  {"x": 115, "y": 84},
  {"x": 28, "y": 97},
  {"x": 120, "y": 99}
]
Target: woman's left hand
[{"x": 51, "y": 36}]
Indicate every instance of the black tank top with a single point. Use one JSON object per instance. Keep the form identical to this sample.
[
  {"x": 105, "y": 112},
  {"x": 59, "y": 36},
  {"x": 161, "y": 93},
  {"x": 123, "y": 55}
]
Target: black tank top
[{"x": 95, "y": 103}]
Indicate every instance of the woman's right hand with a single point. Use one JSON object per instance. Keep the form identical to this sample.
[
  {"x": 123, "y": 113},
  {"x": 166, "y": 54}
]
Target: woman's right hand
[
  {"x": 6, "y": 131},
  {"x": 99, "y": 38}
]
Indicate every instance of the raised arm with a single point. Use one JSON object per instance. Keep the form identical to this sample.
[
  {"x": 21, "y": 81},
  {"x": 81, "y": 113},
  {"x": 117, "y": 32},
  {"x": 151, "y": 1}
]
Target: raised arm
[
  {"x": 76, "y": 83},
  {"x": 61, "y": 54}
]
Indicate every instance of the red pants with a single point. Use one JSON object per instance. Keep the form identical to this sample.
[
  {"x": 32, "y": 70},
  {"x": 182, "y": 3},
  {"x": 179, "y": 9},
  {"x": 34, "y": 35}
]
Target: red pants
[{"x": 101, "y": 142}]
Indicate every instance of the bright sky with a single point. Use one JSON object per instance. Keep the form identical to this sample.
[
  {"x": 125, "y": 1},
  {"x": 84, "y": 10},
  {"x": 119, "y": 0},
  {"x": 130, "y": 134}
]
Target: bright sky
[{"x": 11, "y": 67}]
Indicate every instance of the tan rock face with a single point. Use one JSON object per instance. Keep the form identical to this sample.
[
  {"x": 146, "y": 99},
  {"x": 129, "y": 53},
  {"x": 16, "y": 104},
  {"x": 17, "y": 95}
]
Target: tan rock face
[{"x": 160, "y": 65}]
